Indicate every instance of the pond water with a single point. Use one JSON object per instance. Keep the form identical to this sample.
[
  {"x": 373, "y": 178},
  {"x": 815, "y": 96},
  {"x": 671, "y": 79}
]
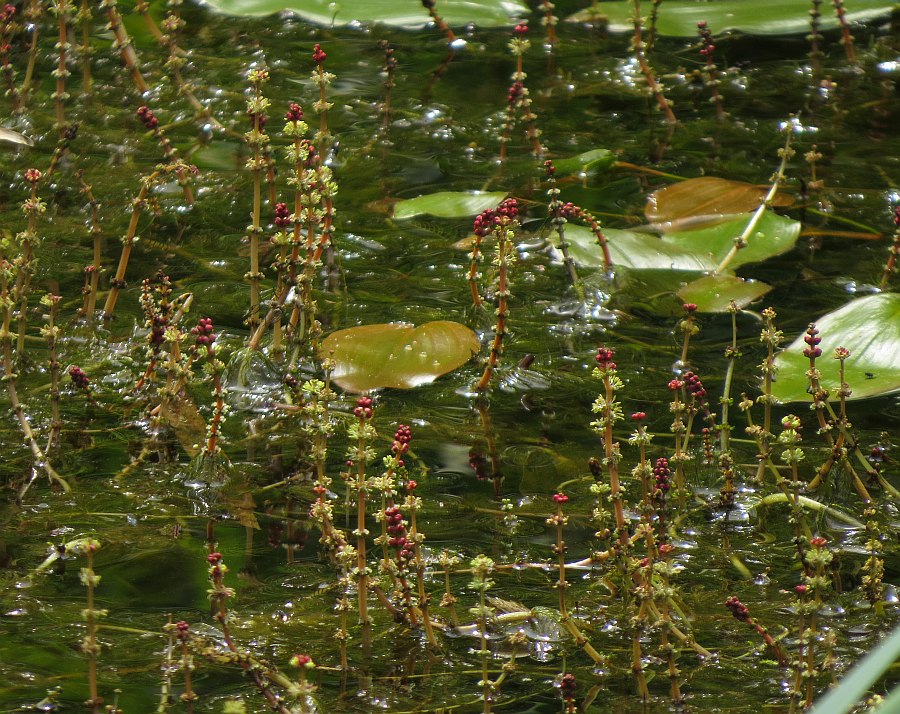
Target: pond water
[{"x": 486, "y": 466}]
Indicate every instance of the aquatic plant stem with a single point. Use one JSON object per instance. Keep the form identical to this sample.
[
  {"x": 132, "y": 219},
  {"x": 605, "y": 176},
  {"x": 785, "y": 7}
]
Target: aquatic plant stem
[
  {"x": 413, "y": 503},
  {"x": 33, "y": 12},
  {"x": 63, "y": 9},
  {"x": 51, "y": 332},
  {"x": 501, "y": 261},
  {"x": 363, "y": 433},
  {"x": 786, "y": 152},
  {"x": 118, "y": 281},
  {"x": 124, "y": 45},
  {"x": 846, "y": 38},
  {"x": 257, "y": 140},
  {"x": 891, "y": 266},
  {"x": 644, "y": 64},
  {"x": 92, "y": 271}
]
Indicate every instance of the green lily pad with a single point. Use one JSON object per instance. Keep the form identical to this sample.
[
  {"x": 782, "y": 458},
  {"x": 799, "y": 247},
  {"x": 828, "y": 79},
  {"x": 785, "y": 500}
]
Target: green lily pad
[
  {"x": 699, "y": 250},
  {"x": 400, "y": 13},
  {"x": 397, "y": 355},
  {"x": 448, "y": 204},
  {"x": 589, "y": 162},
  {"x": 870, "y": 328},
  {"x": 679, "y": 18},
  {"x": 715, "y": 293}
]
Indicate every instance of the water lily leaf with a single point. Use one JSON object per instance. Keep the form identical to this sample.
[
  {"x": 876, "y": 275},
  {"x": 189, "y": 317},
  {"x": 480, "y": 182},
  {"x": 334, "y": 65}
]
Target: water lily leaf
[
  {"x": 397, "y": 355},
  {"x": 699, "y": 250},
  {"x": 590, "y": 162},
  {"x": 401, "y": 13},
  {"x": 448, "y": 204},
  {"x": 870, "y": 328},
  {"x": 770, "y": 18},
  {"x": 706, "y": 196},
  {"x": 773, "y": 236},
  {"x": 714, "y": 293}
]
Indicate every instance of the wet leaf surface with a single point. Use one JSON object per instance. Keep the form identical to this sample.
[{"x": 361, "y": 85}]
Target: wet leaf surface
[
  {"x": 397, "y": 355},
  {"x": 870, "y": 328}
]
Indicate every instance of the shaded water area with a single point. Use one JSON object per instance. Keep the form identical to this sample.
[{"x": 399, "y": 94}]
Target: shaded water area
[{"x": 486, "y": 466}]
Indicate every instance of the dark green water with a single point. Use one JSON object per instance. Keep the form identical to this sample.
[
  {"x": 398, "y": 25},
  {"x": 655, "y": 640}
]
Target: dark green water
[{"x": 152, "y": 522}]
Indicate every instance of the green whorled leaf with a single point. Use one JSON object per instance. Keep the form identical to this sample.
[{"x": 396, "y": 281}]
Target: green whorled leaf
[
  {"x": 400, "y": 13},
  {"x": 707, "y": 197},
  {"x": 397, "y": 355},
  {"x": 699, "y": 250},
  {"x": 870, "y": 328},
  {"x": 589, "y": 162},
  {"x": 714, "y": 293},
  {"x": 448, "y": 204},
  {"x": 680, "y": 17}
]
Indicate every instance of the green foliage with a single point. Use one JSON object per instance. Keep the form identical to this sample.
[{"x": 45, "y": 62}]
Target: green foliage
[
  {"x": 397, "y": 355},
  {"x": 402, "y": 13},
  {"x": 870, "y": 328},
  {"x": 772, "y": 17},
  {"x": 448, "y": 204}
]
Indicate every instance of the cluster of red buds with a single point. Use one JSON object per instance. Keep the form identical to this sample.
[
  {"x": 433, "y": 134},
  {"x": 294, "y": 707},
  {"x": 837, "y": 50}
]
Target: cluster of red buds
[
  {"x": 294, "y": 112},
  {"x": 812, "y": 339},
  {"x": 708, "y": 48},
  {"x": 521, "y": 29},
  {"x": 302, "y": 661},
  {"x": 492, "y": 218},
  {"x": 146, "y": 115},
  {"x": 515, "y": 92},
  {"x": 363, "y": 409},
  {"x": 282, "y": 215},
  {"x": 738, "y": 609},
  {"x": 79, "y": 378},
  {"x": 318, "y": 54},
  {"x": 32, "y": 176},
  {"x": 402, "y": 437},
  {"x": 204, "y": 332},
  {"x": 396, "y": 528},
  {"x": 694, "y": 386},
  {"x": 7, "y": 13},
  {"x": 569, "y": 210},
  {"x": 560, "y": 498},
  {"x": 604, "y": 359},
  {"x": 183, "y": 630},
  {"x": 479, "y": 464},
  {"x": 689, "y": 307},
  {"x": 662, "y": 473},
  {"x": 706, "y": 37},
  {"x": 216, "y": 567},
  {"x": 567, "y": 687}
]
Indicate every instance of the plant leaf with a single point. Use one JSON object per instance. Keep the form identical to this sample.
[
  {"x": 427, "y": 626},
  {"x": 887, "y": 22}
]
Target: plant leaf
[
  {"x": 706, "y": 196},
  {"x": 714, "y": 293},
  {"x": 402, "y": 13},
  {"x": 448, "y": 204},
  {"x": 870, "y": 328},
  {"x": 397, "y": 355},
  {"x": 768, "y": 18},
  {"x": 699, "y": 250},
  {"x": 590, "y": 162}
]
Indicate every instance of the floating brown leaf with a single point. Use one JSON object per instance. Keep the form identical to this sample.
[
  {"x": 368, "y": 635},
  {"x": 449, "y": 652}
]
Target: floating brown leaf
[{"x": 705, "y": 197}]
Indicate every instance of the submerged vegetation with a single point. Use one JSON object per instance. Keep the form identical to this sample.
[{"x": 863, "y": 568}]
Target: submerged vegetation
[{"x": 448, "y": 356}]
